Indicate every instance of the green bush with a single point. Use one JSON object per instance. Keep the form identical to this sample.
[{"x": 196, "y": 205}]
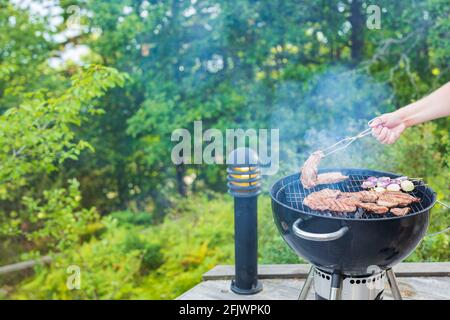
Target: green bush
[
  {"x": 107, "y": 271},
  {"x": 151, "y": 254},
  {"x": 133, "y": 218},
  {"x": 152, "y": 257}
]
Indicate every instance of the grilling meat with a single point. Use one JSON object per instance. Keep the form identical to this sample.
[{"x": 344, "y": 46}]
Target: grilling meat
[
  {"x": 385, "y": 203},
  {"x": 380, "y": 203},
  {"x": 328, "y": 199},
  {"x": 396, "y": 199},
  {"x": 330, "y": 177},
  {"x": 309, "y": 170},
  {"x": 320, "y": 200},
  {"x": 309, "y": 175},
  {"x": 362, "y": 196},
  {"x": 400, "y": 211},
  {"x": 373, "y": 207}
]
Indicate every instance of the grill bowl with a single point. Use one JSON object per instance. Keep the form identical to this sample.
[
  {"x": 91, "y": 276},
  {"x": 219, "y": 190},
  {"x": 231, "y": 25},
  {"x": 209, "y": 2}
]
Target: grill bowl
[{"x": 370, "y": 241}]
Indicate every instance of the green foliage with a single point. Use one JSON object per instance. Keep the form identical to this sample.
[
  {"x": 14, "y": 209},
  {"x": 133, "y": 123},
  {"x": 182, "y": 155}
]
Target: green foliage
[
  {"x": 432, "y": 249},
  {"x": 133, "y": 218},
  {"x": 195, "y": 236},
  {"x": 107, "y": 272},
  {"x": 36, "y": 137},
  {"x": 152, "y": 257},
  {"x": 24, "y": 51},
  {"x": 57, "y": 220}
]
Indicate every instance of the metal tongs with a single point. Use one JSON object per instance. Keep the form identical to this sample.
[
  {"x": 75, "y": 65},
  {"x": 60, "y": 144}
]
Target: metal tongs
[{"x": 344, "y": 143}]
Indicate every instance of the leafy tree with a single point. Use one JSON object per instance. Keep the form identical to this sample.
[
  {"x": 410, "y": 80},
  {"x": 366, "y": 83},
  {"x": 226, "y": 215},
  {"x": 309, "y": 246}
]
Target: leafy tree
[
  {"x": 23, "y": 56},
  {"x": 37, "y": 136}
]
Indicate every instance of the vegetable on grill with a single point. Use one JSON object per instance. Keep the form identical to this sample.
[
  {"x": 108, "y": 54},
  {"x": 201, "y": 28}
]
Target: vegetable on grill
[
  {"x": 407, "y": 186},
  {"x": 393, "y": 187},
  {"x": 385, "y": 183}
]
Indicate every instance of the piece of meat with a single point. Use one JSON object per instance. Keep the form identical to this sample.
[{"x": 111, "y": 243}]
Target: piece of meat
[
  {"x": 309, "y": 170},
  {"x": 330, "y": 177},
  {"x": 363, "y": 196},
  {"x": 400, "y": 211},
  {"x": 330, "y": 200},
  {"x": 386, "y": 203},
  {"x": 330, "y": 204},
  {"x": 372, "y": 201},
  {"x": 349, "y": 202},
  {"x": 368, "y": 196},
  {"x": 396, "y": 199},
  {"x": 320, "y": 200},
  {"x": 326, "y": 193},
  {"x": 309, "y": 176},
  {"x": 372, "y": 207},
  {"x": 341, "y": 205}
]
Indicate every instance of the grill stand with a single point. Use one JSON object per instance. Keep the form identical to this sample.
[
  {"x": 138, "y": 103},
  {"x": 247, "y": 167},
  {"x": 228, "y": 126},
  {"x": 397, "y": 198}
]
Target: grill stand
[
  {"x": 335, "y": 290},
  {"x": 336, "y": 285},
  {"x": 393, "y": 284},
  {"x": 307, "y": 286}
]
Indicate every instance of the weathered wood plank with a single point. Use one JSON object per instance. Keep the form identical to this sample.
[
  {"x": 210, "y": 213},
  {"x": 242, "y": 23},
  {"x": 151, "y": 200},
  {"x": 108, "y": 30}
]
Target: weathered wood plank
[
  {"x": 273, "y": 289},
  {"x": 418, "y": 288},
  {"x": 24, "y": 265},
  {"x": 422, "y": 288},
  {"x": 422, "y": 269},
  {"x": 289, "y": 271},
  {"x": 265, "y": 271}
]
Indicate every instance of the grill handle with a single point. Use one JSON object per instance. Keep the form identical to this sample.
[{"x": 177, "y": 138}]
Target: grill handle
[{"x": 317, "y": 236}]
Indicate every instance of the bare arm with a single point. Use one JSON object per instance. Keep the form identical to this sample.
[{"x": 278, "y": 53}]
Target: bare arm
[
  {"x": 434, "y": 106},
  {"x": 388, "y": 127}
]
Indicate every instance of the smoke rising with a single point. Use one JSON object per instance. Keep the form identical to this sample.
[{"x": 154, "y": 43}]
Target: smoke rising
[{"x": 331, "y": 106}]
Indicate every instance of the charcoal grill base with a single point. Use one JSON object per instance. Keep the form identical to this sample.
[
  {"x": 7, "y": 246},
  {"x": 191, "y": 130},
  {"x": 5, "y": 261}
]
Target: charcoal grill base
[
  {"x": 334, "y": 286},
  {"x": 350, "y": 287},
  {"x": 379, "y": 297}
]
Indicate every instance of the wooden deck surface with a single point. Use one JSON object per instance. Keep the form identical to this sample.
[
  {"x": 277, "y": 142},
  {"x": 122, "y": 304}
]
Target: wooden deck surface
[{"x": 417, "y": 281}]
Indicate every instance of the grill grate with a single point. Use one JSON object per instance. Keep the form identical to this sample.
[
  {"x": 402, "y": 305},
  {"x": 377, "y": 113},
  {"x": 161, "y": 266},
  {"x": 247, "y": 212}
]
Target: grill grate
[{"x": 292, "y": 194}]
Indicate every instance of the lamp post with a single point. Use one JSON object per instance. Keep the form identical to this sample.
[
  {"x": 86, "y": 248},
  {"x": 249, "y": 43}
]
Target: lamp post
[{"x": 244, "y": 185}]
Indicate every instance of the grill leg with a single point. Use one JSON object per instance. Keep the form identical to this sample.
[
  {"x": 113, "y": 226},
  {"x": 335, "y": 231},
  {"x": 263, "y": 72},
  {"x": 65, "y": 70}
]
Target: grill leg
[
  {"x": 335, "y": 291},
  {"x": 307, "y": 285},
  {"x": 393, "y": 284}
]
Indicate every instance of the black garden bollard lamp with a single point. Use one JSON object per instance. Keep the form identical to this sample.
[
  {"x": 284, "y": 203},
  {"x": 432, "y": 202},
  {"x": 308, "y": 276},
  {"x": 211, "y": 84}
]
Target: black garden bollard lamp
[{"x": 244, "y": 185}]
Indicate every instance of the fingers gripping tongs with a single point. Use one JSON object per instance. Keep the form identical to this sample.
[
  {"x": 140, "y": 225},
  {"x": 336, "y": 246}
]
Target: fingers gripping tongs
[{"x": 344, "y": 143}]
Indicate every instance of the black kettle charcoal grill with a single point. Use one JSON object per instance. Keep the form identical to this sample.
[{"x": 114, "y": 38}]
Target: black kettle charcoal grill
[{"x": 352, "y": 253}]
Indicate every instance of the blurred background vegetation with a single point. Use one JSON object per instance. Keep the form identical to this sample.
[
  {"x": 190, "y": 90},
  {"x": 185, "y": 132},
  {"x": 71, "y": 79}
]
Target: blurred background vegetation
[{"x": 90, "y": 92}]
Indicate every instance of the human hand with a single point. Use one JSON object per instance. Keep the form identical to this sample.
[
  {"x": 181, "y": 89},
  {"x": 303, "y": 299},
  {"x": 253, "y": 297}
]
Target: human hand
[{"x": 387, "y": 128}]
